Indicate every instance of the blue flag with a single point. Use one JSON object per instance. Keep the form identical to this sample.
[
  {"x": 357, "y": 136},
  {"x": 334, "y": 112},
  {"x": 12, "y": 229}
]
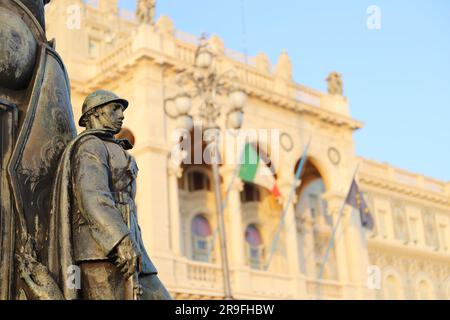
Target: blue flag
[{"x": 356, "y": 200}]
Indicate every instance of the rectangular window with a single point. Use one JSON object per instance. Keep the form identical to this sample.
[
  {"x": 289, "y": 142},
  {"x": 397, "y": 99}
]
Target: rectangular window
[
  {"x": 201, "y": 249},
  {"x": 198, "y": 181},
  {"x": 255, "y": 257},
  {"x": 202, "y": 245}
]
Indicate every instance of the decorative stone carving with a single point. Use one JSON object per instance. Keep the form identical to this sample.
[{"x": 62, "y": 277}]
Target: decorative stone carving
[
  {"x": 335, "y": 84},
  {"x": 165, "y": 25},
  {"x": 429, "y": 223},
  {"x": 286, "y": 142},
  {"x": 262, "y": 62},
  {"x": 399, "y": 221},
  {"x": 284, "y": 67},
  {"x": 176, "y": 158},
  {"x": 334, "y": 156},
  {"x": 217, "y": 44},
  {"x": 145, "y": 11},
  {"x": 411, "y": 270}
]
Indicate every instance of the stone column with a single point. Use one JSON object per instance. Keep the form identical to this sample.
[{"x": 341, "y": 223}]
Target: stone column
[
  {"x": 335, "y": 202},
  {"x": 351, "y": 248},
  {"x": 358, "y": 257},
  {"x": 234, "y": 227},
  {"x": 290, "y": 228},
  {"x": 147, "y": 120},
  {"x": 174, "y": 172},
  {"x": 308, "y": 245}
]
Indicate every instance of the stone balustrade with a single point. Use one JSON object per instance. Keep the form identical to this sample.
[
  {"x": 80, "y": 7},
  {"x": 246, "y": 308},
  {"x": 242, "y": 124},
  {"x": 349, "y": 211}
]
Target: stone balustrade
[
  {"x": 327, "y": 290},
  {"x": 206, "y": 278},
  {"x": 203, "y": 273},
  {"x": 274, "y": 285},
  {"x": 116, "y": 57},
  {"x": 399, "y": 176}
]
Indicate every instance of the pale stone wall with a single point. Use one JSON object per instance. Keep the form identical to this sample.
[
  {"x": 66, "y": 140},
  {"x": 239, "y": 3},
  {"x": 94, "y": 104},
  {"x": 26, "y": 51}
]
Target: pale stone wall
[{"x": 410, "y": 244}]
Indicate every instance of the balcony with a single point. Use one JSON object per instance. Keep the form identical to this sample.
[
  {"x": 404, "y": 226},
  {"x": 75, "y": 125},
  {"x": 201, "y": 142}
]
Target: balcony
[
  {"x": 325, "y": 290},
  {"x": 268, "y": 285},
  {"x": 198, "y": 279}
]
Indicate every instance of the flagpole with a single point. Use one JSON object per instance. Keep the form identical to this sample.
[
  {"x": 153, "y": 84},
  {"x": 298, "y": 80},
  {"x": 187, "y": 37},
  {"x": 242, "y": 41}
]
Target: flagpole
[
  {"x": 225, "y": 203},
  {"x": 288, "y": 203},
  {"x": 331, "y": 242}
]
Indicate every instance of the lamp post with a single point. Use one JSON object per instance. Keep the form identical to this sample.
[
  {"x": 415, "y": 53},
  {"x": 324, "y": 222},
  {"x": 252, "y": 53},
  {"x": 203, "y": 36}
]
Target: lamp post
[{"x": 208, "y": 84}]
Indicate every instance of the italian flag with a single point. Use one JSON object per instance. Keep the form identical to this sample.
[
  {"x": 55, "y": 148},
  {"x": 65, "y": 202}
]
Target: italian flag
[{"x": 254, "y": 170}]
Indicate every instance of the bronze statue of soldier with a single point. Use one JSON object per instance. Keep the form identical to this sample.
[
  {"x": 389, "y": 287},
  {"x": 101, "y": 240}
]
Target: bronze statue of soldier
[
  {"x": 90, "y": 223},
  {"x": 94, "y": 198}
]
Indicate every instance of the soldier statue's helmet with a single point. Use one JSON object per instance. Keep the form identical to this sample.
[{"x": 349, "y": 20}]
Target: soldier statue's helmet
[{"x": 97, "y": 99}]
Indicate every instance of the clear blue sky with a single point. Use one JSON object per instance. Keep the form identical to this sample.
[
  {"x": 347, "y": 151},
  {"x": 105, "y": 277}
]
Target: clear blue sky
[{"x": 397, "y": 79}]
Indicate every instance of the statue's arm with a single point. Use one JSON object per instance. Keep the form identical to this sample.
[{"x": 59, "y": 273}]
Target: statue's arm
[{"x": 94, "y": 196}]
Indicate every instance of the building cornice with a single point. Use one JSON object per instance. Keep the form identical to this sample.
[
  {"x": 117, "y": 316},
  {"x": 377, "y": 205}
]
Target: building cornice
[
  {"x": 397, "y": 248},
  {"x": 257, "y": 84},
  {"x": 403, "y": 189},
  {"x": 388, "y": 178}
]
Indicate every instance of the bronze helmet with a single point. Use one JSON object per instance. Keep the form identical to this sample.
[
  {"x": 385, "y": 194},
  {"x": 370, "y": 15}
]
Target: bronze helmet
[{"x": 97, "y": 99}]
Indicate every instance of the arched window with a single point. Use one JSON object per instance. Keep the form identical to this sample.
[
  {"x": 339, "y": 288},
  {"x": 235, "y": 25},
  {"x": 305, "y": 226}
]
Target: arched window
[
  {"x": 201, "y": 236},
  {"x": 312, "y": 206},
  {"x": 254, "y": 246},
  {"x": 311, "y": 201},
  {"x": 250, "y": 193},
  {"x": 197, "y": 181}
]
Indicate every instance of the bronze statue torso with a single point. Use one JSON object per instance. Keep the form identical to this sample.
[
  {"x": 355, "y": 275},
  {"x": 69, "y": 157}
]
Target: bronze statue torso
[{"x": 105, "y": 187}]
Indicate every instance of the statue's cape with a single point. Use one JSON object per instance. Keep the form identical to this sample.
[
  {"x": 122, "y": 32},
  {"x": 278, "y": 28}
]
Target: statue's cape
[
  {"x": 44, "y": 129},
  {"x": 60, "y": 251}
]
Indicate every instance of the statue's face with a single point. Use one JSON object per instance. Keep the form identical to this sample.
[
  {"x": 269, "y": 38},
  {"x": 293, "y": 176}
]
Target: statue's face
[{"x": 110, "y": 116}]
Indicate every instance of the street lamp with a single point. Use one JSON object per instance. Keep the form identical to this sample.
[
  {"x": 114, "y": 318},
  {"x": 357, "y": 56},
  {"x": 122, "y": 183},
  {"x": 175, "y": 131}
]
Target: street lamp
[
  {"x": 208, "y": 84},
  {"x": 235, "y": 116}
]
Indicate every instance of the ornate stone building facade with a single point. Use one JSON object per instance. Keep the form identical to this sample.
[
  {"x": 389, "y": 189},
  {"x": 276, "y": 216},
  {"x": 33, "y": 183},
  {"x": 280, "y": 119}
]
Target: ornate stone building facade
[{"x": 406, "y": 256}]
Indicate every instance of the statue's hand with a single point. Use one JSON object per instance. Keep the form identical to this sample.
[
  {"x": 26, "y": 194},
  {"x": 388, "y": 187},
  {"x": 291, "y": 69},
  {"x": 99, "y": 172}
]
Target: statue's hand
[{"x": 127, "y": 257}]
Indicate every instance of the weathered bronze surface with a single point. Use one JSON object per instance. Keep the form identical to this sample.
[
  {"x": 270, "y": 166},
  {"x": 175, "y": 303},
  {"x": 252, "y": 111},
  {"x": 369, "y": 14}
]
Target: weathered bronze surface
[
  {"x": 46, "y": 225},
  {"x": 36, "y": 125},
  {"x": 94, "y": 212},
  {"x": 8, "y": 124}
]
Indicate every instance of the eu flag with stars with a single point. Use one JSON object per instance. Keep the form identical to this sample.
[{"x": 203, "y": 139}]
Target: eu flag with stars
[{"x": 356, "y": 200}]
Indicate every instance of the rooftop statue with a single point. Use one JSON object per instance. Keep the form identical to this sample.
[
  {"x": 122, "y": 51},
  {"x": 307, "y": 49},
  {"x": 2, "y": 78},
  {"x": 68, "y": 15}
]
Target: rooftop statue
[
  {"x": 145, "y": 11},
  {"x": 335, "y": 84}
]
